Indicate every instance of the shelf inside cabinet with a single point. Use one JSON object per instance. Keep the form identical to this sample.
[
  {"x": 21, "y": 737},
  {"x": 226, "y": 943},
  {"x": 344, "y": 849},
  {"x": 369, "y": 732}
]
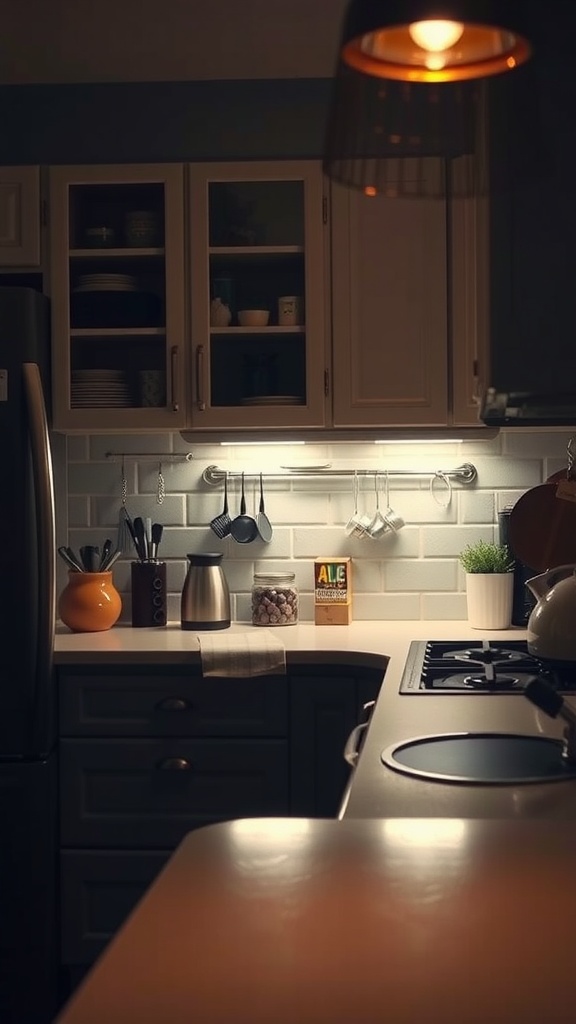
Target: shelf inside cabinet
[
  {"x": 255, "y": 251},
  {"x": 272, "y": 329},
  {"x": 116, "y": 253},
  {"x": 117, "y": 332}
]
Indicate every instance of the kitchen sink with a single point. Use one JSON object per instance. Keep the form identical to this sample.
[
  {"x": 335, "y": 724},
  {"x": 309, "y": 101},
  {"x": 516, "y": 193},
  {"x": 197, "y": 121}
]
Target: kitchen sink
[{"x": 486, "y": 757}]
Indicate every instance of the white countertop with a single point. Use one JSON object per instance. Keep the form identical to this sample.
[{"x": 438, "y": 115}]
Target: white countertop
[{"x": 371, "y": 641}]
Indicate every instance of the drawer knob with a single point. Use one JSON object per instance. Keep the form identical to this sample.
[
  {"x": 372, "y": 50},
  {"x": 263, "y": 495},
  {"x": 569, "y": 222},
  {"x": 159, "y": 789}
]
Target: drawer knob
[
  {"x": 173, "y": 704},
  {"x": 174, "y": 764}
]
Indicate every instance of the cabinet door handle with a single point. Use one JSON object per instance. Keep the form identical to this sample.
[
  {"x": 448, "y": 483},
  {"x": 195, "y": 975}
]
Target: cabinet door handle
[
  {"x": 174, "y": 764},
  {"x": 173, "y": 373},
  {"x": 351, "y": 750},
  {"x": 173, "y": 704},
  {"x": 477, "y": 386},
  {"x": 201, "y": 404}
]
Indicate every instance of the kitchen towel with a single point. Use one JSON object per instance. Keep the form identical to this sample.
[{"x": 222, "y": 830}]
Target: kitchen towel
[{"x": 242, "y": 654}]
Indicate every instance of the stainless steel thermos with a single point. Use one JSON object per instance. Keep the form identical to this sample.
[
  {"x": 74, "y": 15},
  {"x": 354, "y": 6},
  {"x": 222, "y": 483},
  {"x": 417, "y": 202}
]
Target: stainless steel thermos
[{"x": 205, "y": 602}]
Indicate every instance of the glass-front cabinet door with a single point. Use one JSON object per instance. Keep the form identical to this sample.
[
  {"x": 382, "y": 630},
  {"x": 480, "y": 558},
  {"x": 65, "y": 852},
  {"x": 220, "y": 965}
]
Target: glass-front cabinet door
[
  {"x": 258, "y": 292},
  {"x": 117, "y": 290}
]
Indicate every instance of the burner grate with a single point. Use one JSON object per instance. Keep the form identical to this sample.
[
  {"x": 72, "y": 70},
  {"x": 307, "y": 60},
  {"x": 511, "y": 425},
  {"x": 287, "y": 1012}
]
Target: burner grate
[{"x": 489, "y": 667}]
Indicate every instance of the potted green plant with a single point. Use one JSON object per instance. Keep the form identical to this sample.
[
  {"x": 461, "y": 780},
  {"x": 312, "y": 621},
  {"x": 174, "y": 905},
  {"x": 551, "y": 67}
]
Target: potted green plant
[{"x": 489, "y": 569}]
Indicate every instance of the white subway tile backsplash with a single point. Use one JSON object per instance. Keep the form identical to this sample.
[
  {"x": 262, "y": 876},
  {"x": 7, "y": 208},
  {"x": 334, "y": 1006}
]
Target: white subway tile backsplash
[
  {"x": 103, "y": 445},
  {"x": 77, "y": 448},
  {"x": 444, "y": 606},
  {"x": 508, "y": 472},
  {"x": 414, "y": 574},
  {"x": 79, "y": 511},
  {"x": 476, "y": 507},
  {"x": 106, "y": 511},
  {"x": 535, "y": 444},
  {"x": 448, "y": 541},
  {"x": 420, "y": 575},
  {"x": 386, "y": 606}
]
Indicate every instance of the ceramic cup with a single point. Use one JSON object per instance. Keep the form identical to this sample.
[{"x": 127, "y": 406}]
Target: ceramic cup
[
  {"x": 359, "y": 523},
  {"x": 142, "y": 228},
  {"x": 289, "y": 310}
]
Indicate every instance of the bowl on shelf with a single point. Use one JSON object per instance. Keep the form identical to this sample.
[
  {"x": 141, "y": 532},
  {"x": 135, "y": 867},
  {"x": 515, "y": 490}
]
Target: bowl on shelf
[{"x": 253, "y": 317}]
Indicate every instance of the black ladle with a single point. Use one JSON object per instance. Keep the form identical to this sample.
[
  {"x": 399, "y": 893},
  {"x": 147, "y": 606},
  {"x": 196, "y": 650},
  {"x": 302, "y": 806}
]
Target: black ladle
[{"x": 243, "y": 528}]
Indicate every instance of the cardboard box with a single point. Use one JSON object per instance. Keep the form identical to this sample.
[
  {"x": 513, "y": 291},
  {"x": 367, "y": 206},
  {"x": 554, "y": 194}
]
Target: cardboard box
[{"x": 333, "y": 591}]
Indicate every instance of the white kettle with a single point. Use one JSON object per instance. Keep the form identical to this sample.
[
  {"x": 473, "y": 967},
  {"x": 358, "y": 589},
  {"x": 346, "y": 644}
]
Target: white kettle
[{"x": 552, "y": 623}]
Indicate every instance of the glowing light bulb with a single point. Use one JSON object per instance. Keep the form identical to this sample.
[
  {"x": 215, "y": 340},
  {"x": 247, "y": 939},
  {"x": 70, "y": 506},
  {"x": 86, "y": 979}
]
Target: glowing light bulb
[{"x": 435, "y": 36}]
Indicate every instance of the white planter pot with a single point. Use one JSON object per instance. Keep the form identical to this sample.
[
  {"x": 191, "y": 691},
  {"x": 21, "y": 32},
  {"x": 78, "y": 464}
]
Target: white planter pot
[{"x": 489, "y": 599}]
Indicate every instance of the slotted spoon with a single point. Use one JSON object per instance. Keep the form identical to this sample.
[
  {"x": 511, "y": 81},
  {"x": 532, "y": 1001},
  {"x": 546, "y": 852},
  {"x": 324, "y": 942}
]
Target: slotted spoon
[{"x": 221, "y": 524}]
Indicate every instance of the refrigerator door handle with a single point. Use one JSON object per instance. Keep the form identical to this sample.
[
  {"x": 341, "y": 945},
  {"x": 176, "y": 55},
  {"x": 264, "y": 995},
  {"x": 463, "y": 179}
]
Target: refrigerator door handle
[{"x": 45, "y": 516}]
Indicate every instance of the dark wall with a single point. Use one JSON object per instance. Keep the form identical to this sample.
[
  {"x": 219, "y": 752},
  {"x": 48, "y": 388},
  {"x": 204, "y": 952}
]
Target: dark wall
[
  {"x": 167, "y": 121},
  {"x": 533, "y": 218}
]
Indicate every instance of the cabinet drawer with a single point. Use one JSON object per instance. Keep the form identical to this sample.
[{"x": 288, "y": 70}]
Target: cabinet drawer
[
  {"x": 97, "y": 892},
  {"x": 149, "y": 793},
  {"x": 164, "y": 704}
]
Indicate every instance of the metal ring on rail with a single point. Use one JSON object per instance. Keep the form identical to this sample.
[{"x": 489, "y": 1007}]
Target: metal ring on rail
[{"x": 439, "y": 475}]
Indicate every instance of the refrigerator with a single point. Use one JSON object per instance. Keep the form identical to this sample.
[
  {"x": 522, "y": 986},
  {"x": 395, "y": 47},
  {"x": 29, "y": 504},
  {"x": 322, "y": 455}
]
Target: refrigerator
[{"x": 28, "y": 757}]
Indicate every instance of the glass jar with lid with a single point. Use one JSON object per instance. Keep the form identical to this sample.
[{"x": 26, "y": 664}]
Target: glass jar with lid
[{"x": 274, "y": 599}]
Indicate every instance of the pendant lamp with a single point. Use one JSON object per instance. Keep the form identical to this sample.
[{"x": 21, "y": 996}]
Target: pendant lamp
[
  {"x": 429, "y": 41},
  {"x": 410, "y": 93}
]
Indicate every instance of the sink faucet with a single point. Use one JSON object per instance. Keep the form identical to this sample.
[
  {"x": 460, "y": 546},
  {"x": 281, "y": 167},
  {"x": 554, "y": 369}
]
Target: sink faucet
[{"x": 548, "y": 700}]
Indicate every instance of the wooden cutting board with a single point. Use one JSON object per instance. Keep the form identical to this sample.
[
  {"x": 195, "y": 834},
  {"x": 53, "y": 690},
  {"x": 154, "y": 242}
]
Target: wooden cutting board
[{"x": 542, "y": 528}]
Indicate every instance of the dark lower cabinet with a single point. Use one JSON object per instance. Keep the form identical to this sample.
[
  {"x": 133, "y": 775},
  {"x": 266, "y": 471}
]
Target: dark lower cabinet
[
  {"x": 28, "y": 889},
  {"x": 97, "y": 892},
  {"x": 147, "y": 754},
  {"x": 323, "y": 712}
]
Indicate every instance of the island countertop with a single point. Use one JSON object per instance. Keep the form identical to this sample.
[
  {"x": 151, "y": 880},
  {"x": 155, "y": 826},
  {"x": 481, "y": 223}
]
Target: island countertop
[{"x": 332, "y": 922}]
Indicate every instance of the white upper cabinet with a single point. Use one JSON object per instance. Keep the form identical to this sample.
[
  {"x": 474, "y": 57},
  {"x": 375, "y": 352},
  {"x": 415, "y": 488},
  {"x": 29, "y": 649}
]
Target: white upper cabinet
[
  {"x": 118, "y": 307},
  {"x": 258, "y": 242},
  {"x": 404, "y": 311}
]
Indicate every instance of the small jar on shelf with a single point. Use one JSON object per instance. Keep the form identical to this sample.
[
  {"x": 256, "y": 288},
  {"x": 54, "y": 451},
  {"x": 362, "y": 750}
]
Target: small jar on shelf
[{"x": 274, "y": 599}]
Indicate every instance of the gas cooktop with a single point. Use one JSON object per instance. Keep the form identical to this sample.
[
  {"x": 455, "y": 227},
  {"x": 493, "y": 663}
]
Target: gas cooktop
[{"x": 479, "y": 666}]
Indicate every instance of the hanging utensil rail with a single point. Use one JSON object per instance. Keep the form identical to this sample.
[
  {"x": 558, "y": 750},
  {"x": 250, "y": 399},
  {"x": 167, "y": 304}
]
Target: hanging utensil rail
[
  {"x": 214, "y": 475},
  {"x": 464, "y": 474}
]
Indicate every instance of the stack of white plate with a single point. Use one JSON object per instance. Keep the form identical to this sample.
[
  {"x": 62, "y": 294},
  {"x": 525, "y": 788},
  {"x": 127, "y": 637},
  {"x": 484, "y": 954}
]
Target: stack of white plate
[
  {"x": 107, "y": 283},
  {"x": 273, "y": 400},
  {"x": 100, "y": 389}
]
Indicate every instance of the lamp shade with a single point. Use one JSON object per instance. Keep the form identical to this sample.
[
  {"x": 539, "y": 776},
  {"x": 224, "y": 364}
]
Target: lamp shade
[
  {"x": 406, "y": 139},
  {"x": 430, "y": 41}
]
